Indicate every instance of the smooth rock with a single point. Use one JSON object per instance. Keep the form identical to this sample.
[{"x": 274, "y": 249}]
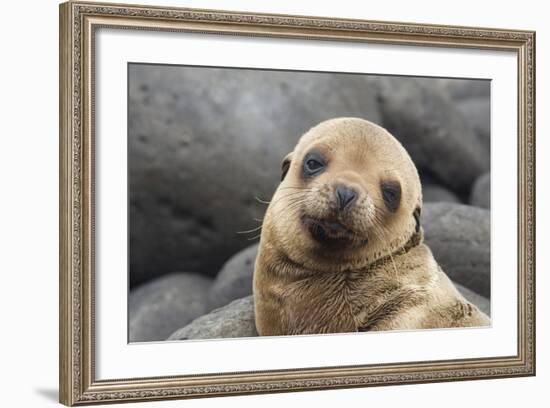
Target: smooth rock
[
  {"x": 159, "y": 307},
  {"x": 436, "y": 193},
  {"x": 234, "y": 280},
  {"x": 477, "y": 112},
  {"x": 460, "y": 89},
  {"x": 460, "y": 239},
  {"x": 233, "y": 320},
  {"x": 481, "y": 192},
  {"x": 481, "y": 302},
  {"x": 205, "y": 142},
  {"x": 433, "y": 131}
]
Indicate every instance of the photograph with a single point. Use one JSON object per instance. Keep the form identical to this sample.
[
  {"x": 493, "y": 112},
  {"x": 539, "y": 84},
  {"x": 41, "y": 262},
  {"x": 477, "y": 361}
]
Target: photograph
[
  {"x": 281, "y": 202},
  {"x": 258, "y": 202}
]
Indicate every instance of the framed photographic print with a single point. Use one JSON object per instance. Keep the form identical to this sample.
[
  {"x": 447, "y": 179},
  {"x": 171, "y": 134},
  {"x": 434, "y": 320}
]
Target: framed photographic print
[{"x": 260, "y": 203}]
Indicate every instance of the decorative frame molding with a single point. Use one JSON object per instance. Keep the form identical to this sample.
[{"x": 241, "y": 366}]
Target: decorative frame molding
[{"x": 78, "y": 22}]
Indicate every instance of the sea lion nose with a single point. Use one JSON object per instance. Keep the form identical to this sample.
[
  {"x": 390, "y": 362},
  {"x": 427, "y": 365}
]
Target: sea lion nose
[{"x": 345, "y": 196}]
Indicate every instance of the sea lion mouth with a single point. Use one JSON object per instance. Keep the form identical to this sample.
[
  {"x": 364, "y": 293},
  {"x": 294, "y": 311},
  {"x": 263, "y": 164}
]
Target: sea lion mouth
[{"x": 331, "y": 232}]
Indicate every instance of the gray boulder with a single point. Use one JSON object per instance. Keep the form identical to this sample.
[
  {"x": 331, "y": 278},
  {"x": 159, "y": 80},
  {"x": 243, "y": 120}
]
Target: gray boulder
[
  {"x": 481, "y": 192},
  {"x": 459, "y": 89},
  {"x": 436, "y": 193},
  {"x": 433, "y": 131},
  {"x": 204, "y": 142},
  {"x": 481, "y": 302},
  {"x": 159, "y": 307},
  {"x": 477, "y": 112},
  {"x": 234, "y": 281},
  {"x": 459, "y": 237},
  {"x": 233, "y": 320}
]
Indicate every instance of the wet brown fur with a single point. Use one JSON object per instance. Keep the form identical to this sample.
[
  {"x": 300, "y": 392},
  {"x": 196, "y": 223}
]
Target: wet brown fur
[{"x": 390, "y": 283}]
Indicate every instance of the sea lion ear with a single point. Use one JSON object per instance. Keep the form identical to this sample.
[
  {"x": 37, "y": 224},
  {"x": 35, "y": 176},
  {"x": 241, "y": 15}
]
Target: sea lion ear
[
  {"x": 416, "y": 214},
  {"x": 285, "y": 165}
]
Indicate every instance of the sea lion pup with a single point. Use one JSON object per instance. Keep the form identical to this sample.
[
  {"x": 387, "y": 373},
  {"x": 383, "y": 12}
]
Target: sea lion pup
[{"x": 342, "y": 247}]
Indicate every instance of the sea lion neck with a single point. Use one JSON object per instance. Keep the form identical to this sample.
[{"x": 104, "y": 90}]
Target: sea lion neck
[
  {"x": 415, "y": 240},
  {"x": 295, "y": 269}
]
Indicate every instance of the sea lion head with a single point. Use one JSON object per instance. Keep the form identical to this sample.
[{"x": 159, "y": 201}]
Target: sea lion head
[{"x": 350, "y": 195}]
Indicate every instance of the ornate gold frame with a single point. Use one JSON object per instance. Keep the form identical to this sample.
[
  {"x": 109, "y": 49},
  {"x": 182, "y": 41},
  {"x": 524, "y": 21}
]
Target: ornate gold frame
[{"x": 78, "y": 22}]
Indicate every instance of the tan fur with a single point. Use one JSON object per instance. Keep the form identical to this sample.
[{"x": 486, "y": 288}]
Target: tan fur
[{"x": 390, "y": 282}]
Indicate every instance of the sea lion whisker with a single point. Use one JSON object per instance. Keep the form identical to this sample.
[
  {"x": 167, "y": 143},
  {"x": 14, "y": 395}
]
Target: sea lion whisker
[
  {"x": 291, "y": 193},
  {"x": 251, "y": 230},
  {"x": 378, "y": 225},
  {"x": 378, "y": 222},
  {"x": 389, "y": 252},
  {"x": 291, "y": 197},
  {"x": 295, "y": 205},
  {"x": 261, "y": 201},
  {"x": 280, "y": 199}
]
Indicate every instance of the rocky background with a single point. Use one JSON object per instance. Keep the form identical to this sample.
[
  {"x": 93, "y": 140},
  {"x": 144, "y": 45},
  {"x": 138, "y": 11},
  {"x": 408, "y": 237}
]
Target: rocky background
[{"x": 204, "y": 143}]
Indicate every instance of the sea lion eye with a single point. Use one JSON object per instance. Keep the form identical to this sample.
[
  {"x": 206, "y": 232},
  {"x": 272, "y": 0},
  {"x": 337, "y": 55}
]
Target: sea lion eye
[
  {"x": 391, "y": 193},
  {"x": 313, "y": 164}
]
